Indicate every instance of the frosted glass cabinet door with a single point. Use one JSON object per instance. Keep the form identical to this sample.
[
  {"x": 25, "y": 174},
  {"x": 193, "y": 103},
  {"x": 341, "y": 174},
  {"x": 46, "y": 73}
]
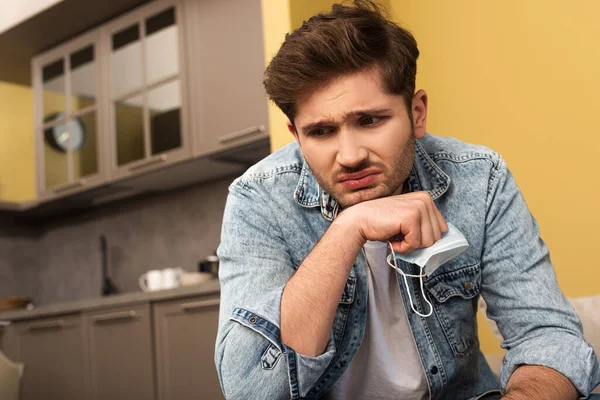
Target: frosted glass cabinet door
[
  {"x": 68, "y": 117},
  {"x": 146, "y": 81}
]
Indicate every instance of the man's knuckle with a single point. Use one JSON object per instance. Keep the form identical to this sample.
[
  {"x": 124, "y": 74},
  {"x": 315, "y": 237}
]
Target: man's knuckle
[{"x": 427, "y": 242}]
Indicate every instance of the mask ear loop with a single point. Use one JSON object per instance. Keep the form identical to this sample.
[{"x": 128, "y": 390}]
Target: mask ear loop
[{"x": 391, "y": 257}]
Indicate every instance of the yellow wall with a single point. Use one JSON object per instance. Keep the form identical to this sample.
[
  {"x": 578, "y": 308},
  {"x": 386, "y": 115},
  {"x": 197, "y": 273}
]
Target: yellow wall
[
  {"x": 302, "y": 10},
  {"x": 522, "y": 78},
  {"x": 17, "y": 167},
  {"x": 276, "y": 23}
]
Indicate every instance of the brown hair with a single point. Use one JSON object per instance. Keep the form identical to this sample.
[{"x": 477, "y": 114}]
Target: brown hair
[{"x": 345, "y": 40}]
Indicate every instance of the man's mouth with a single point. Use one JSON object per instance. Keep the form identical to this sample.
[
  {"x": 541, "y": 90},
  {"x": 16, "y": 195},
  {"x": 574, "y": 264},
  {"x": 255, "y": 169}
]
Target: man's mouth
[{"x": 359, "y": 180}]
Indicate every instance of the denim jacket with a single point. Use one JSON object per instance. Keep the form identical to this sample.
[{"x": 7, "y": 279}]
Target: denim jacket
[{"x": 275, "y": 214}]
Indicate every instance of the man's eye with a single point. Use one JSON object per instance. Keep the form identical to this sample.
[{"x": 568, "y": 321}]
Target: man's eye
[
  {"x": 319, "y": 132},
  {"x": 370, "y": 120}
]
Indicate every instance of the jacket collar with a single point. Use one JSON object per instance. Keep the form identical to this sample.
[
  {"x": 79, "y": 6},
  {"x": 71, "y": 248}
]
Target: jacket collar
[{"x": 425, "y": 175}]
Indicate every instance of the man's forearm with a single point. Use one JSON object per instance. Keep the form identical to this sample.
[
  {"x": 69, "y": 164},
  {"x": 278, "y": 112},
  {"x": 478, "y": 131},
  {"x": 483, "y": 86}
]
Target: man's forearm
[
  {"x": 537, "y": 382},
  {"x": 312, "y": 295}
]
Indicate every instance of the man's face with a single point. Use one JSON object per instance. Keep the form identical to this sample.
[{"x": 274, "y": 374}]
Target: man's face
[{"x": 358, "y": 140}]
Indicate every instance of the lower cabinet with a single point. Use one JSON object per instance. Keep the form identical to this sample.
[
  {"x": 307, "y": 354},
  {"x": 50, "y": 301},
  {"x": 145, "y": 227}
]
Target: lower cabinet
[
  {"x": 53, "y": 351},
  {"x": 120, "y": 353},
  {"x": 153, "y": 351},
  {"x": 185, "y": 346}
]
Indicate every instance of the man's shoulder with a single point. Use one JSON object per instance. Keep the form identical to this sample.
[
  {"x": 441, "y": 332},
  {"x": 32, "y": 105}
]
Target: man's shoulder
[
  {"x": 286, "y": 160},
  {"x": 452, "y": 149}
]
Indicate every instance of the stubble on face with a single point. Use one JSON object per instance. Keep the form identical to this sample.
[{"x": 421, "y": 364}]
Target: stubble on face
[{"x": 393, "y": 184}]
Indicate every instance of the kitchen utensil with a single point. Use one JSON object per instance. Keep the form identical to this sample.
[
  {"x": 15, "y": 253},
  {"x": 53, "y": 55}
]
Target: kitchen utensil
[
  {"x": 108, "y": 287},
  {"x": 210, "y": 264},
  {"x": 13, "y": 302}
]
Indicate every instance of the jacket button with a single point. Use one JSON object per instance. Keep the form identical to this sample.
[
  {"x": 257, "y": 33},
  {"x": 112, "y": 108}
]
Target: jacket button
[
  {"x": 434, "y": 370},
  {"x": 252, "y": 320},
  {"x": 358, "y": 302},
  {"x": 468, "y": 285}
]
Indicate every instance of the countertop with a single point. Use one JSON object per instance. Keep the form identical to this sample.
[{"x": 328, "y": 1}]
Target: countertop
[{"x": 72, "y": 307}]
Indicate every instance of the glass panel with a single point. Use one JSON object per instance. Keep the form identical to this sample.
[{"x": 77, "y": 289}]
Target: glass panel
[
  {"x": 162, "y": 46},
  {"x": 126, "y": 61},
  {"x": 129, "y": 117},
  {"x": 54, "y": 99},
  {"x": 83, "y": 79},
  {"x": 85, "y": 157},
  {"x": 55, "y": 155},
  {"x": 164, "y": 106}
]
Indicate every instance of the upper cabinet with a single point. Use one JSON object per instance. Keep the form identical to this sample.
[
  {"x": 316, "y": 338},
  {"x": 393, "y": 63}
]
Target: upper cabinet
[
  {"x": 171, "y": 81},
  {"x": 67, "y": 113},
  {"x": 147, "y": 103},
  {"x": 226, "y": 50}
]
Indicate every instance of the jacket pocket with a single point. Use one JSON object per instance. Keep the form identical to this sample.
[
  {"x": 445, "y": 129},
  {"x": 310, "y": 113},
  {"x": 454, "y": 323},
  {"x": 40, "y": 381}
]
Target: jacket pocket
[
  {"x": 455, "y": 294},
  {"x": 349, "y": 289}
]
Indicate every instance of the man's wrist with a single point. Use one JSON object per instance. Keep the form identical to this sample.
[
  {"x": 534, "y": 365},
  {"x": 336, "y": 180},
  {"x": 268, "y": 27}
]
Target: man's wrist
[{"x": 347, "y": 223}]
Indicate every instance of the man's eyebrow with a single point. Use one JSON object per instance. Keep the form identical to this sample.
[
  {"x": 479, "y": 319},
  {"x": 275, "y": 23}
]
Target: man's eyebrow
[{"x": 328, "y": 122}]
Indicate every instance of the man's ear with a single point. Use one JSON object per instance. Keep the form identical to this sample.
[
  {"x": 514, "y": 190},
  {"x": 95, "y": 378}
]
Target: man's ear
[
  {"x": 292, "y": 130},
  {"x": 419, "y": 113}
]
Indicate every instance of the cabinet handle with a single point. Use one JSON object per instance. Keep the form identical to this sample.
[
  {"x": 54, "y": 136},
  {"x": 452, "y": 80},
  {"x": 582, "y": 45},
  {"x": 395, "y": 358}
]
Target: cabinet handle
[
  {"x": 69, "y": 186},
  {"x": 47, "y": 325},
  {"x": 157, "y": 160},
  {"x": 240, "y": 134},
  {"x": 199, "y": 304},
  {"x": 116, "y": 316}
]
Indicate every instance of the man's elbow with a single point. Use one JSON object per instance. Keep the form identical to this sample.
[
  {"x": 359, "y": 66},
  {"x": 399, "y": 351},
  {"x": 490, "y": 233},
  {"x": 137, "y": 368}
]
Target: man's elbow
[{"x": 249, "y": 367}]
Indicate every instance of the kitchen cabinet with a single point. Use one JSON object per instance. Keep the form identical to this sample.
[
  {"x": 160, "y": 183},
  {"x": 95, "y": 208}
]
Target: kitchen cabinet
[
  {"x": 119, "y": 350},
  {"x": 157, "y": 348},
  {"x": 227, "y": 56},
  {"x": 173, "y": 85},
  {"x": 111, "y": 103},
  {"x": 185, "y": 335},
  {"x": 68, "y": 110},
  {"x": 9, "y": 342},
  {"x": 53, "y": 351},
  {"x": 146, "y": 81}
]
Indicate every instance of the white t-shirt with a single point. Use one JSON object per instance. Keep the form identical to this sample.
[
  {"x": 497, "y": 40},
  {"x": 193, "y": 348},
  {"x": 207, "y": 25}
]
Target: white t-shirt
[{"x": 387, "y": 364}]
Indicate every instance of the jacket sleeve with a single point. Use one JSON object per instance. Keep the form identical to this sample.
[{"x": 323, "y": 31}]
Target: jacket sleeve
[
  {"x": 251, "y": 361},
  {"x": 537, "y": 322}
]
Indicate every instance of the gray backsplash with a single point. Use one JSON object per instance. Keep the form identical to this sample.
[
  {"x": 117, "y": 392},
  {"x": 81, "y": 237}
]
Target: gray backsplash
[{"x": 61, "y": 261}]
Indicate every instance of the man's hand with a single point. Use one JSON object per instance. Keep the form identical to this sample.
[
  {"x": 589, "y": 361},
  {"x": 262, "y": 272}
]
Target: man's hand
[
  {"x": 312, "y": 295},
  {"x": 537, "y": 382},
  {"x": 410, "y": 221}
]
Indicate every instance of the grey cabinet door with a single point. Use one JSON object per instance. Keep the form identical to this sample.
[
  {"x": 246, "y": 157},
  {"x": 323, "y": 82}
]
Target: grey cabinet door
[
  {"x": 225, "y": 49},
  {"x": 9, "y": 342},
  {"x": 185, "y": 334},
  {"x": 53, "y": 352},
  {"x": 120, "y": 353}
]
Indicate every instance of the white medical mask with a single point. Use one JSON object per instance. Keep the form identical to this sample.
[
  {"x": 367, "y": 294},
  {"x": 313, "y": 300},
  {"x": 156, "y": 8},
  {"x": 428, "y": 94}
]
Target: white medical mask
[{"x": 452, "y": 243}]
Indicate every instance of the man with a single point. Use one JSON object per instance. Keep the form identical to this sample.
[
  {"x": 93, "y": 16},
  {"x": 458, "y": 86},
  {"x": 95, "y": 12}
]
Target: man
[{"x": 310, "y": 305}]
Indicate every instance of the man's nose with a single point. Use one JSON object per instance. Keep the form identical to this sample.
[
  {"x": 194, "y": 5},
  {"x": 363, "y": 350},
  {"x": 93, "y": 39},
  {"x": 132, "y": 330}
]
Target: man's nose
[{"x": 351, "y": 152}]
